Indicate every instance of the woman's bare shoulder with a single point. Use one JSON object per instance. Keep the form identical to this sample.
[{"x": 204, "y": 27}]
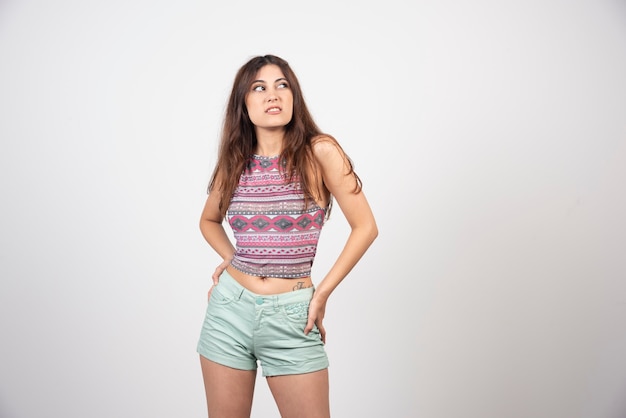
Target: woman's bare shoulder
[{"x": 325, "y": 145}]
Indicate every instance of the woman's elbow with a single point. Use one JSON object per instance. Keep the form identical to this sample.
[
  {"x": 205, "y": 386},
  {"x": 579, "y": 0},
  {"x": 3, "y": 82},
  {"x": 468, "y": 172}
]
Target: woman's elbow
[
  {"x": 205, "y": 225},
  {"x": 373, "y": 231},
  {"x": 370, "y": 231}
]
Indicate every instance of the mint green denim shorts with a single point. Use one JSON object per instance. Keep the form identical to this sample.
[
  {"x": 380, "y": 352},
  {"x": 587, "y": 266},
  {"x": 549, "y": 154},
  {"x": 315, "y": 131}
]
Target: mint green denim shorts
[{"x": 242, "y": 328}]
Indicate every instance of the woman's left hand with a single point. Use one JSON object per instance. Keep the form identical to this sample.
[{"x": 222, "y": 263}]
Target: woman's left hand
[{"x": 317, "y": 308}]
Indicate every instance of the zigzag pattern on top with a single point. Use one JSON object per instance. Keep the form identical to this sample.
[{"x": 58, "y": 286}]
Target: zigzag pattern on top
[{"x": 276, "y": 233}]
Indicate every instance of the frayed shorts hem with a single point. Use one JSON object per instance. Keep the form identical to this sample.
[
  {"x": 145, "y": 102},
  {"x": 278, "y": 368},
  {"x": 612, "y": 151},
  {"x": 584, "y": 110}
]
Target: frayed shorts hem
[
  {"x": 267, "y": 371},
  {"x": 309, "y": 367},
  {"x": 233, "y": 363}
]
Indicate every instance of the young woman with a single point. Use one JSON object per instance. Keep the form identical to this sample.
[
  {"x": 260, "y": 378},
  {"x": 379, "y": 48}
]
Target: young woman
[{"x": 275, "y": 179}]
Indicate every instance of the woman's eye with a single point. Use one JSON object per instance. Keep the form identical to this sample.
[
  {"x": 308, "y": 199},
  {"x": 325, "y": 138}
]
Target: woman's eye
[
  {"x": 258, "y": 88},
  {"x": 283, "y": 86}
]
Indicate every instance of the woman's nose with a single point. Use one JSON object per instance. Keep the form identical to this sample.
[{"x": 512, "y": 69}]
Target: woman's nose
[{"x": 271, "y": 95}]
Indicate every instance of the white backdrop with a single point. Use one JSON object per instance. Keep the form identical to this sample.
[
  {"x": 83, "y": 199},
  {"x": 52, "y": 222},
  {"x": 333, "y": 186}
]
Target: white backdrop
[{"x": 491, "y": 139}]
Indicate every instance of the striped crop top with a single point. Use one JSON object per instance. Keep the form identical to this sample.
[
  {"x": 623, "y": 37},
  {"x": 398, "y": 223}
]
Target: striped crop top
[{"x": 275, "y": 234}]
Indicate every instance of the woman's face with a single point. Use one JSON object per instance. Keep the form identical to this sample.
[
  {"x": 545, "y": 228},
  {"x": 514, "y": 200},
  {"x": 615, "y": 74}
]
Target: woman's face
[{"x": 270, "y": 100}]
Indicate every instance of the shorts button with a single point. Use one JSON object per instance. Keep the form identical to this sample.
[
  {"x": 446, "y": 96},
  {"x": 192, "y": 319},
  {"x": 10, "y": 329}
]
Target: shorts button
[{"x": 259, "y": 301}]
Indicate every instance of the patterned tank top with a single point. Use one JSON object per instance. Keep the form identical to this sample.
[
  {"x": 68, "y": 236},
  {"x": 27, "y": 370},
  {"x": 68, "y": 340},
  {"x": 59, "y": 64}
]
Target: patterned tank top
[{"x": 275, "y": 234}]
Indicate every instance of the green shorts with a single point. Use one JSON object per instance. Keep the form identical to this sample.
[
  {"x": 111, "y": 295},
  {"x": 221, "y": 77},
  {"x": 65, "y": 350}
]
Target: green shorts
[{"x": 241, "y": 328}]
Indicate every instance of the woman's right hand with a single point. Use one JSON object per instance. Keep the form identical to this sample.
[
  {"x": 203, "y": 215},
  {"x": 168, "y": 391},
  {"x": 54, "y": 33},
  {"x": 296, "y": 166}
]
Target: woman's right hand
[{"x": 216, "y": 275}]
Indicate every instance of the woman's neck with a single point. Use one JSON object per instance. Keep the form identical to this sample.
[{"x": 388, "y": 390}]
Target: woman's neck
[{"x": 269, "y": 144}]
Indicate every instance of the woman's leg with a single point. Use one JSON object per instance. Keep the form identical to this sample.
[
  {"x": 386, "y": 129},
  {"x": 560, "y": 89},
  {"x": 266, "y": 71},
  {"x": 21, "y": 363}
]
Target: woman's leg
[
  {"x": 228, "y": 391},
  {"x": 301, "y": 395}
]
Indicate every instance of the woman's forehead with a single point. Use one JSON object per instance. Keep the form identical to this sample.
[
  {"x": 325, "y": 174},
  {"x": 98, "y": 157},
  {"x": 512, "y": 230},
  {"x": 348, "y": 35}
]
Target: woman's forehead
[{"x": 269, "y": 73}]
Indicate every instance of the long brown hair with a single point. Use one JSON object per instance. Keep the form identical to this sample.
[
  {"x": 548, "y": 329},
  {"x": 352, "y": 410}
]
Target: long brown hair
[{"x": 239, "y": 140}]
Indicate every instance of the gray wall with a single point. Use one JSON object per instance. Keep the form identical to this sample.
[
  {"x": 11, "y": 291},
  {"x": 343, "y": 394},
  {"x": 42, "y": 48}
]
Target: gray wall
[{"x": 491, "y": 138}]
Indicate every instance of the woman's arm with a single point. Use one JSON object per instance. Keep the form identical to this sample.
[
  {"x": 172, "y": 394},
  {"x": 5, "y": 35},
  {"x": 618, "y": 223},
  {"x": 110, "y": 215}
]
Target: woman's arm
[
  {"x": 341, "y": 184},
  {"x": 213, "y": 232}
]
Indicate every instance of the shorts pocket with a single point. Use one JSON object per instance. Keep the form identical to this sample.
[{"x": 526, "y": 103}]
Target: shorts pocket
[
  {"x": 295, "y": 316},
  {"x": 220, "y": 296},
  {"x": 297, "y": 312}
]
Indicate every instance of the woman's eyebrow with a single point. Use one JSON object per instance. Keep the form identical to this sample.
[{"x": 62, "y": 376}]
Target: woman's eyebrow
[{"x": 277, "y": 80}]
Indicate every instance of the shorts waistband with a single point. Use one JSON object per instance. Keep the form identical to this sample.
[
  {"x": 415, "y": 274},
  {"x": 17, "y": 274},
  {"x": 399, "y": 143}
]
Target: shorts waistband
[{"x": 233, "y": 287}]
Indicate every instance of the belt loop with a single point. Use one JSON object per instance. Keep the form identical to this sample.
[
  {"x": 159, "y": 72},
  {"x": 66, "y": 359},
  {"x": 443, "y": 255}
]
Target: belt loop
[{"x": 276, "y": 305}]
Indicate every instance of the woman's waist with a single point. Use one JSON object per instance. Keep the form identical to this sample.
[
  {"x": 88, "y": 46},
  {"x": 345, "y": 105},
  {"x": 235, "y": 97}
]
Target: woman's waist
[{"x": 268, "y": 285}]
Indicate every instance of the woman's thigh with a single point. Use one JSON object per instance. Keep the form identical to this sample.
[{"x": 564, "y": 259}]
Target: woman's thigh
[
  {"x": 301, "y": 395},
  {"x": 228, "y": 391}
]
